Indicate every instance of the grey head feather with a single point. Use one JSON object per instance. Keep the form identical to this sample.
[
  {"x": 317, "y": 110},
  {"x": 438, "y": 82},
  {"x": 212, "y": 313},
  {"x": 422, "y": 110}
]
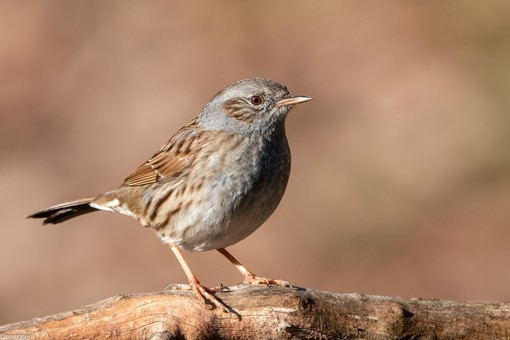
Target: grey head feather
[{"x": 231, "y": 110}]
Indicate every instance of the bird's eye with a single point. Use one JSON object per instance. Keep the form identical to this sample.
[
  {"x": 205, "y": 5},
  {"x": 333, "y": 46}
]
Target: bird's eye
[{"x": 256, "y": 100}]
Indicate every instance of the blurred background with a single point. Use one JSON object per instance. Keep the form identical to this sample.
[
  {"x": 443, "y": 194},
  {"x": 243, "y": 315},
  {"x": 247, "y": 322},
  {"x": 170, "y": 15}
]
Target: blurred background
[{"x": 401, "y": 164}]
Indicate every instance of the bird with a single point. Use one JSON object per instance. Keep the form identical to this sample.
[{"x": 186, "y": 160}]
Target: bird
[{"x": 213, "y": 183}]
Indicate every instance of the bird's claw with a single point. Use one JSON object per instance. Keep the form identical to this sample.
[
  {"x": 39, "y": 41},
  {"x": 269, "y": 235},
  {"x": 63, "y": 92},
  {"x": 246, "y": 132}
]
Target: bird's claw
[{"x": 253, "y": 279}]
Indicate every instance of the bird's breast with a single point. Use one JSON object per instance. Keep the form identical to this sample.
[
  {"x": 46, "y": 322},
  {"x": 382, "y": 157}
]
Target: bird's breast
[{"x": 237, "y": 191}]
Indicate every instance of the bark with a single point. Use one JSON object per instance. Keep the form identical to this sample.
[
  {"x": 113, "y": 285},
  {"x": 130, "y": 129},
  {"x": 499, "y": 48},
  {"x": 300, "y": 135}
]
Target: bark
[{"x": 270, "y": 312}]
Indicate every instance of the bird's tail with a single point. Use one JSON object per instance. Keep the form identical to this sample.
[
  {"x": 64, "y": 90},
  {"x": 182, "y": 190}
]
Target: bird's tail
[{"x": 62, "y": 212}]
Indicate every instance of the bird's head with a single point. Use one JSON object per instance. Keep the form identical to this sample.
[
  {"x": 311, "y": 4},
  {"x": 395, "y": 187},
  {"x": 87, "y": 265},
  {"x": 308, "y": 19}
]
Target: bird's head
[{"x": 252, "y": 105}]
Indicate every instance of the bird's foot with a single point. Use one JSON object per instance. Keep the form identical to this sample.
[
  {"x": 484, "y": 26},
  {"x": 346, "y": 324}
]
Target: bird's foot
[
  {"x": 252, "y": 279},
  {"x": 220, "y": 288},
  {"x": 206, "y": 295},
  {"x": 203, "y": 293}
]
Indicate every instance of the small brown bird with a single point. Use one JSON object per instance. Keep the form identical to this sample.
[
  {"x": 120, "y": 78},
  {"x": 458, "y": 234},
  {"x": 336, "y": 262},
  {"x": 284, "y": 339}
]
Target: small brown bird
[{"x": 213, "y": 183}]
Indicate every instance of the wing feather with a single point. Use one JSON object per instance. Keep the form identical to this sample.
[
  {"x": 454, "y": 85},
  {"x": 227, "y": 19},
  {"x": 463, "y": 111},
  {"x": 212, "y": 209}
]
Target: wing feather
[{"x": 171, "y": 160}]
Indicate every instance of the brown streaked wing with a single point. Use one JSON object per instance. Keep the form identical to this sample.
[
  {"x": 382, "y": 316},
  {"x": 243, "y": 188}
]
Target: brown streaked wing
[{"x": 174, "y": 157}]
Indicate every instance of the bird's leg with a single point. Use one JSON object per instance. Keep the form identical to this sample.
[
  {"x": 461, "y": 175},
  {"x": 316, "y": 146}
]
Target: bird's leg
[
  {"x": 194, "y": 284},
  {"x": 249, "y": 277}
]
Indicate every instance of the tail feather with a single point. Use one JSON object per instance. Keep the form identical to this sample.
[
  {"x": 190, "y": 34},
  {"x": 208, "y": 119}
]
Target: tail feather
[{"x": 63, "y": 212}]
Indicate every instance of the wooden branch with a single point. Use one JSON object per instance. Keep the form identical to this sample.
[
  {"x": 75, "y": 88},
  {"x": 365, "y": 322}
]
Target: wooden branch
[{"x": 270, "y": 312}]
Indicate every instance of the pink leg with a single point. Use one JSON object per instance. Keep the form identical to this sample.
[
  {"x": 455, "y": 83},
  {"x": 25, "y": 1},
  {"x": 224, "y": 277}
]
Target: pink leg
[
  {"x": 195, "y": 285},
  {"x": 249, "y": 277}
]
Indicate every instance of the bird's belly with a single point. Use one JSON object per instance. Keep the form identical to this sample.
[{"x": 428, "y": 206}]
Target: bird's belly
[
  {"x": 221, "y": 218},
  {"x": 234, "y": 203},
  {"x": 211, "y": 226}
]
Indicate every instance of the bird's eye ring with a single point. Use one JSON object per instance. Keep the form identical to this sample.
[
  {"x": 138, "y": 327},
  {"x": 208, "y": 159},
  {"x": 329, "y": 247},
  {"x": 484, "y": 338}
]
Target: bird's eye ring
[{"x": 256, "y": 100}]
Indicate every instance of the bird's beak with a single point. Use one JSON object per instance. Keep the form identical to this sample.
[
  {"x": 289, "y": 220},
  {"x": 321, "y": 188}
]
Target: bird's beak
[{"x": 293, "y": 100}]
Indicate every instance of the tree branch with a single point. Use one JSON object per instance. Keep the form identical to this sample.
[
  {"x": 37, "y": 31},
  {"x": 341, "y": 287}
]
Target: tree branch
[{"x": 270, "y": 312}]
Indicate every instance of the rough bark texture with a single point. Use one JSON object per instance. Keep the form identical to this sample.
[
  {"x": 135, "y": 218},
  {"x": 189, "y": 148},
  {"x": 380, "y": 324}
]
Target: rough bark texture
[{"x": 271, "y": 312}]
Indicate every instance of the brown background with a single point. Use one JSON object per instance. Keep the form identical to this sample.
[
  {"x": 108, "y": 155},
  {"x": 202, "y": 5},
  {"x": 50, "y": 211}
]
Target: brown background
[{"x": 401, "y": 168}]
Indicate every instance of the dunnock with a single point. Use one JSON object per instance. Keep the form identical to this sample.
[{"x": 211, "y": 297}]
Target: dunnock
[{"x": 213, "y": 183}]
